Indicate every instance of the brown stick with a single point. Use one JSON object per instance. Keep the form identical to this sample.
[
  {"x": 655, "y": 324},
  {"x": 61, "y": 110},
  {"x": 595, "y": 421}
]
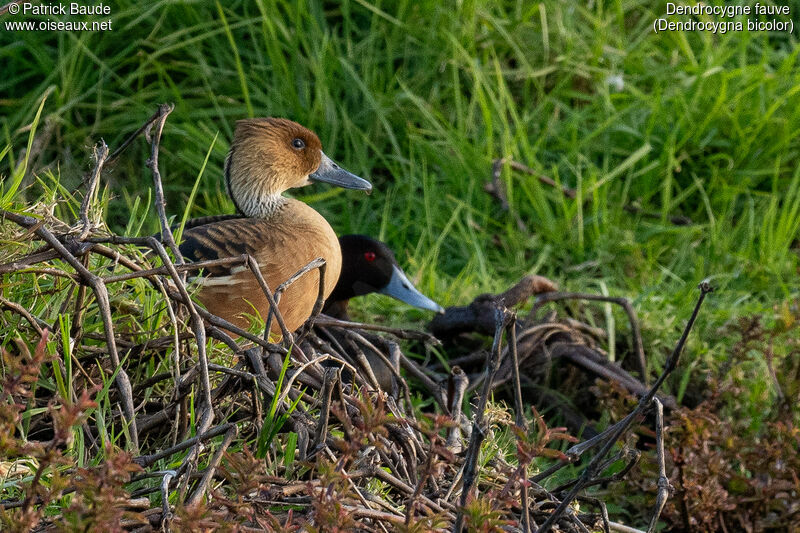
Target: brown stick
[
  {"x": 199, "y": 331},
  {"x": 478, "y": 424},
  {"x": 330, "y": 378},
  {"x": 459, "y": 383},
  {"x": 408, "y": 334},
  {"x": 404, "y": 487},
  {"x": 588, "y": 358},
  {"x": 519, "y": 167},
  {"x": 30, "y": 259},
  {"x": 664, "y": 486},
  {"x": 638, "y": 346},
  {"x": 212, "y": 466},
  {"x": 148, "y": 460},
  {"x": 35, "y": 322},
  {"x": 133, "y": 136},
  {"x": 166, "y": 232},
  {"x": 511, "y": 336}
]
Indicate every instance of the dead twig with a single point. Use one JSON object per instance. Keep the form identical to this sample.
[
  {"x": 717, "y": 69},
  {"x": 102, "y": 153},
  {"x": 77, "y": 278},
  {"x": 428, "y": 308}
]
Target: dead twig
[
  {"x": 148, "y": 123},
  {"x": 199, "y": 331},
  {"x": 594, "y": 362},
  {"x": 664, "y": 486},
  {"x": 38, "y": 324},
  {"x": 519, "y": 409},
  {"x": 166, "y": 513},
  {"x": 638, "y": 346},
  {"x": 331, "y": 377},
  {"x": 495, "y": 188},
  {"x": 101, "y": 294},
  {"x": 148, "y": 460},
  {"x": 407, "y": 334},
  {"x": 212, "y": 466},
  {"x": 38, "y": 256},
  {"x": 160, "y": 203},
  {"x": 519, "y": 167},
  {"x": 457, "y": 387}
]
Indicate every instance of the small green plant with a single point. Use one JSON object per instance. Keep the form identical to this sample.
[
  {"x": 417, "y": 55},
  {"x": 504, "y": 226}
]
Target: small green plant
[{"x": 273, "y": 422}]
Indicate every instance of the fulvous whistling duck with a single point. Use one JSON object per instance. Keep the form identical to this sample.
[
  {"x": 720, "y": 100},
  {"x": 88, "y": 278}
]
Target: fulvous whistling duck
[{"x": 267, "y": 157}]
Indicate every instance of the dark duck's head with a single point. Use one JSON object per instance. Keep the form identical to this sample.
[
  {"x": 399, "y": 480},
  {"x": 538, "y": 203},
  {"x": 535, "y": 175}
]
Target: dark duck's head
[{"x": 369, "y": 266}]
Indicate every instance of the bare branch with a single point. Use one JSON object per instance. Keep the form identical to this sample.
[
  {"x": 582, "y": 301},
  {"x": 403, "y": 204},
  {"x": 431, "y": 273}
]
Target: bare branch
[{"x": 664, "y": 487}]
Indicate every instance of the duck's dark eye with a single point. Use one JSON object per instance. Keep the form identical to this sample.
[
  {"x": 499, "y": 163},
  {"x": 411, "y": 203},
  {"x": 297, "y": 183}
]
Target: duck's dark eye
[
  {"x": 369, "y": 256},
  {"x": 298, "y": 144}
]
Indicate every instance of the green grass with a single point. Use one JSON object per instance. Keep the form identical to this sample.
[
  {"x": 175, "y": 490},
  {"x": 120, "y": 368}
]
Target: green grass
[{"x": 420, "y": 99}]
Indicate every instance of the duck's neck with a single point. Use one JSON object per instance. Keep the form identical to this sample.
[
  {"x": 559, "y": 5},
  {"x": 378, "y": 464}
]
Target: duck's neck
[
  {"x": 263, "y": 206},
  {"x": 252, "y": 201}
]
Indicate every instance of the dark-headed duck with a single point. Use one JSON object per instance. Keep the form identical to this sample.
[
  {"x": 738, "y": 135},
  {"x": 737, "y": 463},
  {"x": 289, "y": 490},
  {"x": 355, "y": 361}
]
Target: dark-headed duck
[{"x": 369, "y": 266}]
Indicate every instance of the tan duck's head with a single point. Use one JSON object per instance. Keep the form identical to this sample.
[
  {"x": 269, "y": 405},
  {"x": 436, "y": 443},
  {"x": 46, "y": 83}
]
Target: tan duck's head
[{"x": 271, "y": 155}]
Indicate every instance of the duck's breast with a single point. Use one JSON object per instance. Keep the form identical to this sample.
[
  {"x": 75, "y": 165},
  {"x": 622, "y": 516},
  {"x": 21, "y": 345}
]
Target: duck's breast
[{"x": 282, "y": 245}]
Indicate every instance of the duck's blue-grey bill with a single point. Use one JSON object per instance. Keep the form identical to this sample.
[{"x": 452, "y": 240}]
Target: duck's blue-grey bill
[
  {"x": 330, "y": 172},
  {"x": 399, "y": 287}
]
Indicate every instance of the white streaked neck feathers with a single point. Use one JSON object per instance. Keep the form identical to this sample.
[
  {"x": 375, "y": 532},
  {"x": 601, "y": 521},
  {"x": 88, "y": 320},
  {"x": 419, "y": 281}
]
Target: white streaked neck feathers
[
  {"x": 255, "y": 200},
  {"x": 260, "y": 206}
]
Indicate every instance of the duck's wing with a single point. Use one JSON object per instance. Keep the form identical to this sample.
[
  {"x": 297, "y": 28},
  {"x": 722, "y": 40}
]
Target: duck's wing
[
  {"x": 229, "y": 237},
  {"x": 276, "y": 251},
  {"x": 199, "y": 221},
  {"x": 281, "y": 246}
]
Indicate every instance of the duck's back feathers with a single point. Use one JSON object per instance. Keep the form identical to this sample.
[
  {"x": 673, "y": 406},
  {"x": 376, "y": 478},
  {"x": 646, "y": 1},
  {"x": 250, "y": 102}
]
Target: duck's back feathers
[
  {"x": 218, "y": 240},
  {"x": 202, "y": 221}
]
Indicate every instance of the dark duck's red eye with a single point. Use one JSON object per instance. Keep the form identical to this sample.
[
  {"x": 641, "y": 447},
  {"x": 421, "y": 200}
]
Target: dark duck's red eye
[{"x": 369, "y": 256}]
